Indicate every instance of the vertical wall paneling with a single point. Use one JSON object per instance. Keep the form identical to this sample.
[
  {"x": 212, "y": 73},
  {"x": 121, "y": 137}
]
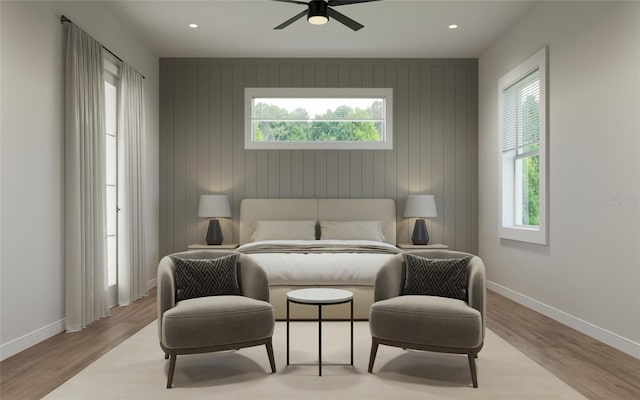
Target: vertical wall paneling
[
  {"x": 191, "y": 155},
  {"x": 415, "y": 134},
  {"x": 308, "y": 156},
  {"x": 179, "y": 158},
  {"x": 297, "y": 174},
  {"x": 321, "y": 173},
  {"x": 426, "y": 117},
  {"x": 344, "y": 174},
  {"x": 461, "y": 159},
  {"x": 202, "y": 142},
  {"x": 414, "y": 140},
  {"x": 262, "y": 157},
  {"x": 215, "y": 129},
  {"x": 355, "y": 156},
  {"x": 227, "y": 142},
  {"x": 450, "y": 158},
  {"x": 402, "y": 143},
  {"x": 250, "y": 156},
  {"x": 332, "y": 174},
  {"x": 285, "y": 155},
  {"x": 297, "y": 156},
  {"x": 166, "y": 155},
  {"x": 274, "y": 173},
  {"x": 238, "y": 153},
  {"x": 367, "y": 169},
  {"x": 379, "y": 176},
  {"x": 320, "y": 80},
  {"x": 226, "y": 129},
  {"x": 472, "y": 157},
  {"x": 390, "y": 167},
  {"x": 437, "y": 152},
  {"x": 274, "y": 155}
]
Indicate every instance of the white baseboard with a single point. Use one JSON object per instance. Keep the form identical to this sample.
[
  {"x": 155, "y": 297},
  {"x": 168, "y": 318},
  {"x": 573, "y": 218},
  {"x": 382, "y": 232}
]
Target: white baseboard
[
  {"x": 31, "y": 339},
  {"x": 612, "y": 339}
]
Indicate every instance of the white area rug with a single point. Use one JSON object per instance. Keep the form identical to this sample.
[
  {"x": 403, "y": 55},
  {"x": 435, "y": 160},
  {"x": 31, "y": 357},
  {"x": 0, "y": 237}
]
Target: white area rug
[{"x": 136, "y": 369}]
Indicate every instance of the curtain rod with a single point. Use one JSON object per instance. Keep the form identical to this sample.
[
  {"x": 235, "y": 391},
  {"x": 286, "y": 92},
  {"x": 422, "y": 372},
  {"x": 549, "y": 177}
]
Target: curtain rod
[{"x": 64, "y": 19}]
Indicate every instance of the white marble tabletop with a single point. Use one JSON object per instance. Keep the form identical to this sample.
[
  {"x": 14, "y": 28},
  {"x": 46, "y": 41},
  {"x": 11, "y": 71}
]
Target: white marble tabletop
[{"x": 320, "y": 296}]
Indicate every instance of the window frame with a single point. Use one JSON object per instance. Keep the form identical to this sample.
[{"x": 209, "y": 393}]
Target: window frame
[
  {"x": 508, "y": 184},
  {"x": 111, "y": 75},
  {"x": 385, "y": 93}
]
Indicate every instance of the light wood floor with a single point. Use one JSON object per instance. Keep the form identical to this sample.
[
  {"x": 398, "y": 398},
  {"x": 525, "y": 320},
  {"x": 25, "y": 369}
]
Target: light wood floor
[{"x": 592, "y": 368}]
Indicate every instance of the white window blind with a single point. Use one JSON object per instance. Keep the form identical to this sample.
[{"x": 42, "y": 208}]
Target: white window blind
[{"x": 521, "y": 102}]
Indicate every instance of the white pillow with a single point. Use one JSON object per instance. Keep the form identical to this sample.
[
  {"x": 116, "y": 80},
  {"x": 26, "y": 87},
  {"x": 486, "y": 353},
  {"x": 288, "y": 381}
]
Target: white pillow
[
  {"x": 351, "y": 230},
  {"x": 284, "y": 230}
]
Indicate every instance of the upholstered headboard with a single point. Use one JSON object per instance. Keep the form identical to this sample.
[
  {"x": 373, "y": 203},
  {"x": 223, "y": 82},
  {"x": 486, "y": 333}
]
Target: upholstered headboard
[{"x": 383, "y": 210}]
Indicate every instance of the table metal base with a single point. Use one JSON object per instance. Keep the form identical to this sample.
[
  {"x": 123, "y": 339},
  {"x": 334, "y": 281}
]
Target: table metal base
[{"x": 319, "y": 363}]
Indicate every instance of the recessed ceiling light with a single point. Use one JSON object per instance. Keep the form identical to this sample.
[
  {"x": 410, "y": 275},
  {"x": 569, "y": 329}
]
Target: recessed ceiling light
[
  {"x": 453, "y": 26},
  {"x": 193, "y": 26}
]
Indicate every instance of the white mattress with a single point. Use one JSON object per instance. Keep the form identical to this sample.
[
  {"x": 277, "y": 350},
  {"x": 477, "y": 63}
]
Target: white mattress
[{"x": 353, "y": 262}]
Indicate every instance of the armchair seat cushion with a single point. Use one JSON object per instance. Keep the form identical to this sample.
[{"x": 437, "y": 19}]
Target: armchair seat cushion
[
  {"x": 216, "y": 320},
  {"x": 427, "y": 320}
]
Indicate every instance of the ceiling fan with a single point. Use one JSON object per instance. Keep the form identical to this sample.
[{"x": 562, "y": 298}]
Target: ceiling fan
[{"x": 319, "y": 11}]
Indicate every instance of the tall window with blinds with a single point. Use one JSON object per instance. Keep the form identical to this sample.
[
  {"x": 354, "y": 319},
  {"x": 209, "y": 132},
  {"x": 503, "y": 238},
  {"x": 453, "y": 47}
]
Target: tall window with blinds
[{"x": 523, "y": 151}]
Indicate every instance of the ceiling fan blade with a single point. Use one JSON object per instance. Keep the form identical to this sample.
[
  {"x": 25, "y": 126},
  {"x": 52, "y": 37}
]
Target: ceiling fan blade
[
  {"x": 344, "y": 19},
  {"x": 291, "y": 20},
  {"x": 334, "y": 3},
  {"x": 299, "y": 2}
]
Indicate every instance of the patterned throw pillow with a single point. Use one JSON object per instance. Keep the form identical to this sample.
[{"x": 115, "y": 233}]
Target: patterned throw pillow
[
  {"x": 443, "y": 277},
  {"x": 206, "y": 277}
]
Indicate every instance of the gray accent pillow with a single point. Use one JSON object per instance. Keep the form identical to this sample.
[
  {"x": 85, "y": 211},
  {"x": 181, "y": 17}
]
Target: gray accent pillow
[
  {"x": 206, "y": 277},
  {"x": 443, "y": 277}
]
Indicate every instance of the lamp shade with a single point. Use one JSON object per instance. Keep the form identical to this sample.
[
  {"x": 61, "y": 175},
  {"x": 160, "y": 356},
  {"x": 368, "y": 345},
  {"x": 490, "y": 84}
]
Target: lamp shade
[
  {"x": 420, "y": 206},
  {"x": 214, "y": 205}
]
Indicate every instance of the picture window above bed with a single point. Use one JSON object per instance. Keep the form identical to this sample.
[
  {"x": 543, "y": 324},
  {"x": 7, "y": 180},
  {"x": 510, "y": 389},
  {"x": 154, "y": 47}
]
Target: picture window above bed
[{"x": 319, "y": 118}]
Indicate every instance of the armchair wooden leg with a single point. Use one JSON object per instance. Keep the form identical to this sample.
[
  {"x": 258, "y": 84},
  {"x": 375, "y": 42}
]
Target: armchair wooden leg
[
  {"x": 472, "y": 367},
  {"x": 271, "y": 358},
  {"x": 374, "y": 351},
  {"x": 172, "y": 367}
]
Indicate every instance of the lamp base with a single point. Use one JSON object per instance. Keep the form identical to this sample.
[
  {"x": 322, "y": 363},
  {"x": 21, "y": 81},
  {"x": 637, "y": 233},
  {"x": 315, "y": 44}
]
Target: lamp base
[
  {"x": 214, "y": 233},
  {"x": 420, "y": 234}
]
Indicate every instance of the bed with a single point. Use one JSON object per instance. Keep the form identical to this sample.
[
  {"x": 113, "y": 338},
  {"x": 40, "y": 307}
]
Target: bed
[{"x": 339, "y": 243}]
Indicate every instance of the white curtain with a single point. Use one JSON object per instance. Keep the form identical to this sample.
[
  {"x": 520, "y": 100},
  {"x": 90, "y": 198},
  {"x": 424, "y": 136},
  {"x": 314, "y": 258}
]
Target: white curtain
[
  {"x": 132, "y": 279},
  {"x": 85, "y": 219}
]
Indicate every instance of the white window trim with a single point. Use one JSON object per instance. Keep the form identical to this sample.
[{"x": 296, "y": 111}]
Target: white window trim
[
  {"x": 386, "y": 144},
  {"x": 111, "y": 67},
  {"x": 507, "y": 227}
]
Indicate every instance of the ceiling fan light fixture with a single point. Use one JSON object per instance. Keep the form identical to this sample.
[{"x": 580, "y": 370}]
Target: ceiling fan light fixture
[
  {"x": 318, "y": 20},
  {"x": 317, "y": 14}
]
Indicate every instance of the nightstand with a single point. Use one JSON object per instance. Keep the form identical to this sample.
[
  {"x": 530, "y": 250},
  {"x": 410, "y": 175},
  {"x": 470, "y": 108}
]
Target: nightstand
[
  {"x": 411, "y": 246},
  {"x": 223, "y": 246}
]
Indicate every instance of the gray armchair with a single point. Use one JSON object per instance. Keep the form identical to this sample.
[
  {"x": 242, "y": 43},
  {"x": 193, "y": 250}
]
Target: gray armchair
[
  {"x": 214, "y": 323},
  {"x": 428, "y": 323}
]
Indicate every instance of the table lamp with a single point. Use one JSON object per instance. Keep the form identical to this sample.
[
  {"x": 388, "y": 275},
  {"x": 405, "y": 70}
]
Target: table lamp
[
  {"x": 420, "y": 206},
  {"x": 214, "y": 206}
]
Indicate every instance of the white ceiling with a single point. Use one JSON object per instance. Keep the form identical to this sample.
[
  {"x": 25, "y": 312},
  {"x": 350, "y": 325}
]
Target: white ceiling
[{"x": 393, "y": 28}]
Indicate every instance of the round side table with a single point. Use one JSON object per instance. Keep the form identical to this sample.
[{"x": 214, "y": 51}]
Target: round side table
[{"x": 319, "y": 297}]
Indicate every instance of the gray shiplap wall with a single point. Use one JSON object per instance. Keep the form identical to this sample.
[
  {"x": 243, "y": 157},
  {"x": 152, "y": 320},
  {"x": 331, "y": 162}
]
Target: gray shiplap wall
[{"x": 202, "y": 143}]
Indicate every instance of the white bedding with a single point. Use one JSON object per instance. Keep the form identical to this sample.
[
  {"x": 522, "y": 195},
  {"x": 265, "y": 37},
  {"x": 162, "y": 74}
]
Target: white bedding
[{"x": 320, "y": 262}]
